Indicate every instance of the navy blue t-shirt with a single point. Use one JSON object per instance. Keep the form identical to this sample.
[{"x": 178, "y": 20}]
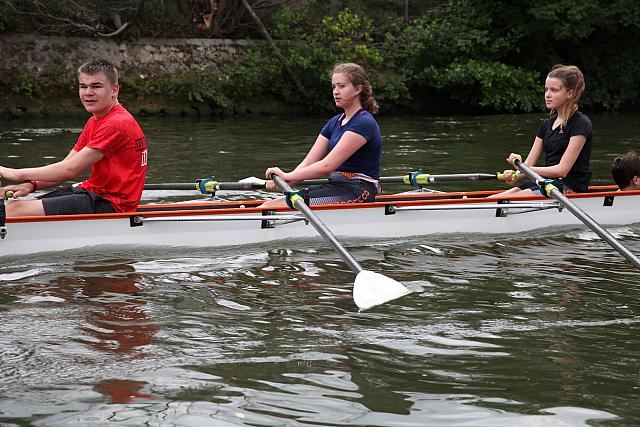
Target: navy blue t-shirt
[
  {"x": 555, "y": 143},
  {"x": 367, "y": 159}
]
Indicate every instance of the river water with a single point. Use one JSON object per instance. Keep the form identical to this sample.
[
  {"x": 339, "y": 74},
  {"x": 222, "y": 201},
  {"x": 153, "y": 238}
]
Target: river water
[{"x": 535, "y": 329}]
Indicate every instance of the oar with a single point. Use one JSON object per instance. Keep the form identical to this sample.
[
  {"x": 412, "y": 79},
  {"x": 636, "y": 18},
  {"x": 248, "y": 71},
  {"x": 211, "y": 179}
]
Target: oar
[
  {"x": 424, "y": 178},
  {"x": 548, "y": 187},
  {"x": 369, "y": 288},
  {"x": 208, "y": 185}
]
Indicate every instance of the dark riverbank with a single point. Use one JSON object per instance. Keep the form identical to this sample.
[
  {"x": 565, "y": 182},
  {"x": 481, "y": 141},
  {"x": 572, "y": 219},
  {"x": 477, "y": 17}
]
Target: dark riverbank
[{"x": 157, "y": 76}]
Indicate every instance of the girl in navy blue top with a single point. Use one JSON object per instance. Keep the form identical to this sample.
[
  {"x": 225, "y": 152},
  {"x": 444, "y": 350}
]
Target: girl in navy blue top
[
  {"x": 565, "y": 138},
  {"x": 347, "y": 149}
]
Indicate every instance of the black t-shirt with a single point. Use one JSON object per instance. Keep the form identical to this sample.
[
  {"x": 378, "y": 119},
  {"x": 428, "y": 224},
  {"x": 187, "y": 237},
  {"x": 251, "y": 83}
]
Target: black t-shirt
[{"x": 555, "y": 143}]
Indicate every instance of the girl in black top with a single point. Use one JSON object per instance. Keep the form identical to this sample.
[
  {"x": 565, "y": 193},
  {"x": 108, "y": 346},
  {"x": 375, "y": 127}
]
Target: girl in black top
[{"x": 565, "y": 137}]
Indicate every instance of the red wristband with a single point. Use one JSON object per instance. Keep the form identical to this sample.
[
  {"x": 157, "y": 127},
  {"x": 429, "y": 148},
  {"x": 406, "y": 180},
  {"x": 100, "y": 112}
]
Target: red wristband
[{"x": 34, "y": 183}]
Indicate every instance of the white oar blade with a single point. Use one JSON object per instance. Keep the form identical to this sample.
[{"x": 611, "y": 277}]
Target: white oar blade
[
  {"x": 253, "y": 180},
  {"x": 372, "y": 289}
]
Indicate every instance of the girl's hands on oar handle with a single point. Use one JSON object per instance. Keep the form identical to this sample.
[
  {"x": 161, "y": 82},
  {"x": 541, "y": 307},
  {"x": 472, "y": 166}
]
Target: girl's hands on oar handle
[
  {"x": 270, "y": 185},
  {"x": 510, "y": 176},
  {"x": 513, "y": 157}
]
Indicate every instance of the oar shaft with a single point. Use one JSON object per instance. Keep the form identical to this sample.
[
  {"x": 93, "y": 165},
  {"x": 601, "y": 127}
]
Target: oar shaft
[
  {"x": 582, "y": 216},
  {"x": 320, "y": 226},
  {"x": 421, "y": 179},
  {"x": 240, "y": 186},
  {"x": 453, "y": 177},
  {"x": 211, "y": 186},
  {"x": 171, "y": 186}
]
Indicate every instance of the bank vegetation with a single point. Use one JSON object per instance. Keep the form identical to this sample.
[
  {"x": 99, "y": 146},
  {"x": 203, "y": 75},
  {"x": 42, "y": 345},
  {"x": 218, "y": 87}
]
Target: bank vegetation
[{"x": 456, "y": 56}]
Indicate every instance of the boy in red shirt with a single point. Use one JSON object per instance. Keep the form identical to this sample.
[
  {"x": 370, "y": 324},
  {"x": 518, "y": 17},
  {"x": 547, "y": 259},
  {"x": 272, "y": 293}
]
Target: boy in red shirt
[{"x": 111, "y": 142}]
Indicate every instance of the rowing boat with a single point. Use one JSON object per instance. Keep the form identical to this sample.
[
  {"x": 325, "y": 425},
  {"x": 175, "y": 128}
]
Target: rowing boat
[{"x": 213, "y": 223}]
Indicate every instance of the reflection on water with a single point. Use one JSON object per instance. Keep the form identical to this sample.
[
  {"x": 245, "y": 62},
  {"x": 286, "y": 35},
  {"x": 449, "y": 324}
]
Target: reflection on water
[
  {"x": 265, "y": 336},
  {"x": 533, "y": 329}
]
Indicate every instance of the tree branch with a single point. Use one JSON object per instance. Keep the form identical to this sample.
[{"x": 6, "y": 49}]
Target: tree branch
[{"x": 277, "y": 51}]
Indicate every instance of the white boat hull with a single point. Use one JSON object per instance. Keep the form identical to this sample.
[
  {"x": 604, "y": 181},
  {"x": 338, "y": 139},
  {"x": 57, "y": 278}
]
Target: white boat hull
[{"x": 206, "y": 227}]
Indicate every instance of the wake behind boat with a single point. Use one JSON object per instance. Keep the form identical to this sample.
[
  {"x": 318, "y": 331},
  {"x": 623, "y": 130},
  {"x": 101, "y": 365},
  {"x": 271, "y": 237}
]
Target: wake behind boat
[{"x": 212, "y": 223}]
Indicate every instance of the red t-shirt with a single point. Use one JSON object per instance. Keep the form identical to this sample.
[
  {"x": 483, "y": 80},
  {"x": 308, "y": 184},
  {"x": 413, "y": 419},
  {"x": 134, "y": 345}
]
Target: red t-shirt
[{"x": 119, "y": 175}]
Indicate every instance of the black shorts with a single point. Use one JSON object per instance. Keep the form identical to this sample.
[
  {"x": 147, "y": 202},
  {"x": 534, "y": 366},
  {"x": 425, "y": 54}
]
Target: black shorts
[
  {"x": 74, "y": 200},
  {"x": 341, "y": 189}
]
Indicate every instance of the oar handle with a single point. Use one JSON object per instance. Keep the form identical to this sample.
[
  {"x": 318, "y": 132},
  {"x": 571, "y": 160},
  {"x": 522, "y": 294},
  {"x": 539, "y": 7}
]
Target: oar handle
[
  {"x": 500, "y": 175},
  {"x": 297, "y": 202},
  {"x": 548, "y": 187}
]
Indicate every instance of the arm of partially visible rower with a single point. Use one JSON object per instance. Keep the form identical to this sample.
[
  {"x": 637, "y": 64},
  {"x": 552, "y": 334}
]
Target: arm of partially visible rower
[{"x": 30, "y": 179}]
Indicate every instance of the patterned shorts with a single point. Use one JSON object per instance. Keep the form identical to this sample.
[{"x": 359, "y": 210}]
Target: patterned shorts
[{"x": 342, "y": 189}]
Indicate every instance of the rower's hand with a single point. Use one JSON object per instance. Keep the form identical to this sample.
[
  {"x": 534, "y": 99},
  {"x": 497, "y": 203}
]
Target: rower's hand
[
  {"x": 510, "y": 177},
  {"x": 512, "y": 158},
  {"x": 270, "y": 185},
  {"x": 284, "y": 175},
  {"x": 275, "y": 171},
  {"x": 15, "y": 191}
]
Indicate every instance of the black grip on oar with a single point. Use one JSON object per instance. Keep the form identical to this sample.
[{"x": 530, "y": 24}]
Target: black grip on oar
[
  {"x": 206, "y": 186},
  {"x": 424, "y": 178},
  {"x": 240, "y": 186},
  {"x": 171, "y": 186}
]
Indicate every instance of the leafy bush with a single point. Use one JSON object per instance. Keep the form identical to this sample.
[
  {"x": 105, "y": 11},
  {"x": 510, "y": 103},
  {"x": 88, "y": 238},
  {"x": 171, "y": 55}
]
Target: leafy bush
[
  {"x": 24, "y": 85},
  {"x": 456, "y": 55},
  {"x": 490, "y": 85},
  {"x": 195, "y": 86},
  {"x": 449, "y": 54},
  {"x": 310, "y": 56}
]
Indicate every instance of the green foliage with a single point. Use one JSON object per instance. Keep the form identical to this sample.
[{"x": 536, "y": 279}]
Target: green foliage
[
  {"x": 25, "y": 85},
  {"x": 471, "y": 55},
  {"x": 350, "y": 35},
  {"x": 193, "y": 86},
  {"x": 602, "y": 38},
  {"x": 491, "y": 85},
  {"x": 310, "y": 55},
  {"x": 452, "y": 53}
]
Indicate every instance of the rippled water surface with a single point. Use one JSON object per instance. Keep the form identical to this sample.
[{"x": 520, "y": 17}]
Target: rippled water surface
[{"x": 535, "y": 329}]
